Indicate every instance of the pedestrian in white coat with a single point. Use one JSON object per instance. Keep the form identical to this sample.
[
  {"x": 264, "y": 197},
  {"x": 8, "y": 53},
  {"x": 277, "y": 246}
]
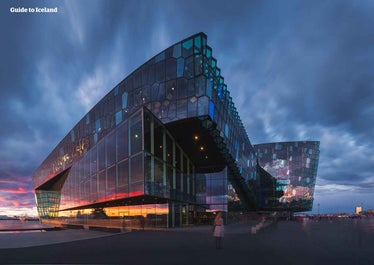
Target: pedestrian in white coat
[{"x": 219, "y": 229}]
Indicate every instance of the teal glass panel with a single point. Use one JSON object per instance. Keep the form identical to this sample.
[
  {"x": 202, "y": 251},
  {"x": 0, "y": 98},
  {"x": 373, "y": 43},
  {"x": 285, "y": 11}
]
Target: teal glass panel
[
  {"x": 187, "y": 48},
  {"x": 187, "y": 44},
  {"x": 218, "y": 72},
  {"x": 197, "y": 42},
  {"x": 204, "y": 40},
  {"x": 208, "y": 52},
  {"x": 213, "y": 63}
]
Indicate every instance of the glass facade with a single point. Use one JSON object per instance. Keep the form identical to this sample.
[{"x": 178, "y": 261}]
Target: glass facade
[
  {"x": 294, "y": 166},
  {"x": 166, "y": 137}
]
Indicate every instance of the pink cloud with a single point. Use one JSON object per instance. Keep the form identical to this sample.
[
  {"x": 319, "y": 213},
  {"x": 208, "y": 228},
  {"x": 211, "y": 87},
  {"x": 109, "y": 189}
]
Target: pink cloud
[{"x": 16, "y": 191}]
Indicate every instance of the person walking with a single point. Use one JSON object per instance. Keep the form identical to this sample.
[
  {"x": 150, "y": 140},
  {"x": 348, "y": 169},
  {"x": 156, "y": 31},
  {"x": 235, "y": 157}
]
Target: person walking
[{"x": 218, "y": 229}]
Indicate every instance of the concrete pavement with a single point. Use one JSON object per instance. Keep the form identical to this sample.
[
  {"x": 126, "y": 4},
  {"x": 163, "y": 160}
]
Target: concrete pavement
[{"x": 284, "y": 243}]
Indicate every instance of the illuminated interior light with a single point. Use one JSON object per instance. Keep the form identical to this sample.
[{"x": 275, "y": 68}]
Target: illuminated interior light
[
  {"x": 202, "y": 148},
  {"x": 136, "y": 135},
  {"x": 196, "y": 137},
  {"x": 172, "y": 89},
  {"x": 160, "y": 146},
  {"x": 206, "y": 157}
]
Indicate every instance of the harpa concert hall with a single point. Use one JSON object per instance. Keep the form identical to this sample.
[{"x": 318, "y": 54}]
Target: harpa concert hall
[{"x": 166, "y": 148}]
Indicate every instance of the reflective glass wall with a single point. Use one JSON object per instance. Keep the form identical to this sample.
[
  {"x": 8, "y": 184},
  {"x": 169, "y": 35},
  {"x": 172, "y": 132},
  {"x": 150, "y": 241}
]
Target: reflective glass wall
[
  {"x": 110, "y": 170},
  {"x": 294, "y": 165}
]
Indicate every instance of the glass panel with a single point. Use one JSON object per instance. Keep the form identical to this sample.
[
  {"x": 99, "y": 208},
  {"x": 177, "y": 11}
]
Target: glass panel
[
  {"x": 200, "y": 85},
  {"x": 158, "y": 140},
  {"x": 101, "y": 155},
  {"x": 102, "y": 185},
  {"x": 197, "y": 42},
  {"x": 160, "y": 71},
  {"x": 122, "y": 141},
  {"x": 203, "y": 104},
  {"x": 160, "y": 57},
  {"x": 118, "y": 117},
  {"x": 111, "y": 182},
  {"x": 136, "y": 133},
  {"x": 198, "y": 64},
  {"x": 211, "y": 109},
  {"x": 137, "y": 176},
  {"x": 187, "y": 48},
  {"x": 182, "y": 88},
  {"x": 180, "y": 67},
  {"x": 111, "y": 149},
  {"x": 209, "y": 88},
  {"x": 177, "y": 50},
  {"x": 124, "y": 100},
  {"x": 189, "y": 67},
  {"x": 123, "y": 173},
  {"x": 171, "y": 69},
  {"x": 169, "y": 150},
  {"x": 182, "y": 108},
  {"x": 147, "y": 131},
  {"x": 93, "y": 161}
]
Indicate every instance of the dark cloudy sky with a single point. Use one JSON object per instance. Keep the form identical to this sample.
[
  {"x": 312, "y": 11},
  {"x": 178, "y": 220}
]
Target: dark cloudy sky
[{"x": 297, "y": 70}]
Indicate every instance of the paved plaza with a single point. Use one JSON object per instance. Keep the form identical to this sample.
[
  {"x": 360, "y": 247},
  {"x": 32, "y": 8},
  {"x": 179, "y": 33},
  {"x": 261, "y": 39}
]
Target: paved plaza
[{"x": 346, "y": 242}]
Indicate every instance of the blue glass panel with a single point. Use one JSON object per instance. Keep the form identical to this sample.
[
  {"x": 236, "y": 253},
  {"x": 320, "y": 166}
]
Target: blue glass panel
[
  {"x": 116, "y": 91},
  {"x": 177, "y": 51},
  {"x": 209, "y": 88},
  {"x": 180, "y": 67},
  {"x": 202, "y": 107},
  {"x": 124, "y": 100},
  {"x": 160, "y": 57},
  {"x": 211, "y": 109},
  {"x": 118, "y": 117},
  {"x": 226, "y": 130},
  {"x": 236, "y": 145},
  {"x": 88, "y": 118},
  {"x": 97, "y": 125},
  {"x": 220, "y": 92}
]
